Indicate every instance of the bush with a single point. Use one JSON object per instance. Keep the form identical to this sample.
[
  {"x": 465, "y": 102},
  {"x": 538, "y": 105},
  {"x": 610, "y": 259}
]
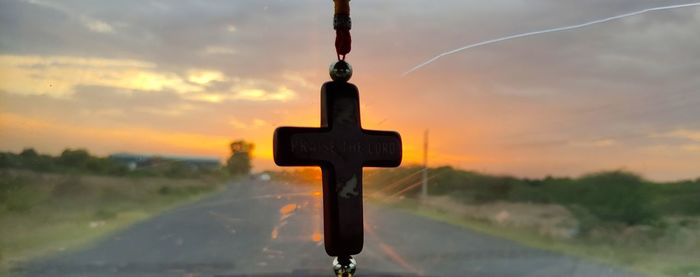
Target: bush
[
  {"x": 617, "y": 196},
  {"x": 105, "y": 214},
  {"x": 80, "y": 161},
  {"x": 587, "y": 222},
  {"x": 607, "y": 197},
  {"x": 9, "y": 160},
  {"x": 678, "y": 198},
  {"x": 614, "y": 196},
  {"x": 164, "y": 190},
  {"x": 17, "y": 194},
  {"x": 71, "y": 187},
  {"x": 471, "y": 187},
  {"x": 105, "y": 166},
  {"x": 180, "y": 191}
]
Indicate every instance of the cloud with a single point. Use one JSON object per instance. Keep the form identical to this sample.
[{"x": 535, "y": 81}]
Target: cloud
[
  {"x": 204, "y": 77},
  {"x": 256, "y": 94},
  {"x": 237, "y": 124},
  {"x": 298, "y": 79},
  {"x": 595, "y": 143},
  {"x": 96, "y": 25},
  {"x": 685, "y": 134},
  {"x": 92, "y": 24},
  {"x": 279, "y": 94},
  {"x": 254, "y": 123},
  {"x": 58, "y": 76},
  {"x": 218, "y": 50},
  {"x": 46, "y": 61},
  {"x": 691, "y": 147}
]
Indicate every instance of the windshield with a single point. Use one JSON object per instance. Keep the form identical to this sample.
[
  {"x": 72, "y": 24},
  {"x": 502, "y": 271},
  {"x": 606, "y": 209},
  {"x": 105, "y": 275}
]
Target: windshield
[{"x": 539, "y": 138}]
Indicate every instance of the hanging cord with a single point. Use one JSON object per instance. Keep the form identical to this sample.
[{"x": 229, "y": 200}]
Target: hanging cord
[{"x": 342, "y": 25}]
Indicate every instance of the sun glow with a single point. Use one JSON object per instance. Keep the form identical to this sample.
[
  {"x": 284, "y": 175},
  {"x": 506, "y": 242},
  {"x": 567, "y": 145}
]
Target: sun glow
[{"x": 26, "y": 130}]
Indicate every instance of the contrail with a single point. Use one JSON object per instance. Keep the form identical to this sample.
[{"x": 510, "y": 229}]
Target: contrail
[{"x": 557, "y": 29}]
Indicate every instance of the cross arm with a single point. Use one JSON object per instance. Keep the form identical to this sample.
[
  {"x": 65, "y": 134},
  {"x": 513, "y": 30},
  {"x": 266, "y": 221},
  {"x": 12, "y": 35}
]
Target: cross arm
[
  {"x": 298, "y": 146},
  {"x": 383, "y": 148}
]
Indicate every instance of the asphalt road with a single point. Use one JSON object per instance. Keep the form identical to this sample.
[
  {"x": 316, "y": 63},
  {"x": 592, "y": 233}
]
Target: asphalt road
[{"x": 270, "y": 229}]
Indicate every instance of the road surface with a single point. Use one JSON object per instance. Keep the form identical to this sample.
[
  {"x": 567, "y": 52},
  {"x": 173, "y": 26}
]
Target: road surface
[{"x": 271, "y": 229}]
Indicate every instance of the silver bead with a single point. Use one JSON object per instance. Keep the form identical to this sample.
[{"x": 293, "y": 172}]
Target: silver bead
[
  {"x": 344, "y": 270},
  {"x": 340, "y": 71}
]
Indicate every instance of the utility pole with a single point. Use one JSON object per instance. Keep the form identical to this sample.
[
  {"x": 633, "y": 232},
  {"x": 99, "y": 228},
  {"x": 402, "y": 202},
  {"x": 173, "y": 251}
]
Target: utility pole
[{"x": 424, "y": 188}]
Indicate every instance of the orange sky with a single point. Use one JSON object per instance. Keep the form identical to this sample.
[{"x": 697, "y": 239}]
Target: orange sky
[{"x": 187, "y": 79}]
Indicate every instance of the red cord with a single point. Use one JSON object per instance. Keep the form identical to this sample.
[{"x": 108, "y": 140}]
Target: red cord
[
  {"x": 342, "y": 26},
  {"x": 343, "y": 42}
]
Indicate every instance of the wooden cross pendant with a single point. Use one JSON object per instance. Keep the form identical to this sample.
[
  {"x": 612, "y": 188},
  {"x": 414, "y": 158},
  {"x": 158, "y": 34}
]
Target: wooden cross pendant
[{"x": 341, "y": 148}]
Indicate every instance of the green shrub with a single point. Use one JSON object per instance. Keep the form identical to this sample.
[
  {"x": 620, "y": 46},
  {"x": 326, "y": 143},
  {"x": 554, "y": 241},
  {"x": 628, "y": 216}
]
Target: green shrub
[
  {"x": 678, "y": 198},
  {"x": 17, "y": 194},
  {"x": 616, "y": 196},
  {"x": 470, "y": 187},
  {"x": 587, "y": 222},
  {"x": 76, "y": 158},
  {"x": 164, "y": 190},
  {"x": 104, "y": 214},
  {"x": 182, "y": 191},
  {"x": 70, "y": 187},
  {"x": 602, "y": 198},
  {"x": 9, "y": 160}
]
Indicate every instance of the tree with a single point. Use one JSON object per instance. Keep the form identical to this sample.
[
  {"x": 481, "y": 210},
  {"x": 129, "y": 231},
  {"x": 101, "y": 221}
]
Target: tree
[
  {"x": 77, "y": 158},
  {"x": 31, "y": 159},
  {"x": 29, "y": 153},
  {"x": 239, "y": 162},
  {"x": 8, "y": 160}
]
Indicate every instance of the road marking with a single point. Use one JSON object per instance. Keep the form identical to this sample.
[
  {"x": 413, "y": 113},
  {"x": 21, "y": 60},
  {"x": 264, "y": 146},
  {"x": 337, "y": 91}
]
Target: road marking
[
  {"x": 391, "y": 252},
  {"x": 285, "y": 212}
]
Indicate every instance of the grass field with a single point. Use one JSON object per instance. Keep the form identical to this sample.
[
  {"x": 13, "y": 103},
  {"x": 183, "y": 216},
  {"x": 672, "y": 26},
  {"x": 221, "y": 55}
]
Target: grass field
[
  {"x": 615, "y": 216},
  {"x": 42, "y": 213},
  {"x": 668, "y": 251}
]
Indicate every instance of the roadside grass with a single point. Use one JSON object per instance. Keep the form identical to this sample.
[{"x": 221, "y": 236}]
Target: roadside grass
[
  {"x": 655, "y": 257},
  {"x": 43, "y": 214}
]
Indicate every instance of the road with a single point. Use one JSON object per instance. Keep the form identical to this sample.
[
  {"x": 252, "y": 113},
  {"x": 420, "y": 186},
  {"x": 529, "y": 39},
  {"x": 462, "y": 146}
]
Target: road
[{"x": 271, "y": 229}]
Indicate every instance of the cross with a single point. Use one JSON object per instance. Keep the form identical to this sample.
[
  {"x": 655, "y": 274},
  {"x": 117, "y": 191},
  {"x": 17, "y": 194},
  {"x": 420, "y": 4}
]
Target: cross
[{"x": 341, "y": 148}]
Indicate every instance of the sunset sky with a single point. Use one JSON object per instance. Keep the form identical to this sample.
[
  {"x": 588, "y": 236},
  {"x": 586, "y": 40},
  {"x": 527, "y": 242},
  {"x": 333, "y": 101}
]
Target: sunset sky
[{"x": 187, "y": 77}]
